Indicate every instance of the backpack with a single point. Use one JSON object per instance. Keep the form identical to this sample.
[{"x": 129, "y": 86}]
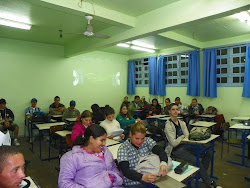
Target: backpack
[
  {"x": 40, "y": 117},
  {"x": 211, "y": 110},
  {"x": 199, "y": 133}
]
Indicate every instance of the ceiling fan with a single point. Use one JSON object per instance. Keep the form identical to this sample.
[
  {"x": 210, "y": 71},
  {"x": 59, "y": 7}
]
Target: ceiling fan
[{"x": 89, "y": 30}]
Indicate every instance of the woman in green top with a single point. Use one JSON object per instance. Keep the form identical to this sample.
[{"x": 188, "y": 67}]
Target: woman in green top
[{"x": 125, "y": 120}]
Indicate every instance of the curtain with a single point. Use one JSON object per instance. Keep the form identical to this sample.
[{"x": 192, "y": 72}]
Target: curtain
[
  {"x": 152, "y": 75},
  {"x": 193, "y": 86},
  {"x": 161, "y": 86},
  {"x": 209, "y": 73},
  {"x": 246, "y": 85},
  {"x": 131, "y": 78}
]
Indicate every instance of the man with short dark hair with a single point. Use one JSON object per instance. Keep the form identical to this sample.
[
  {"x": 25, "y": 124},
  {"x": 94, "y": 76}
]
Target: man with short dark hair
[
  {"x": 71, "y": 111},
  {"x": 194, "y": 110},
  {"x": 56, "y": 108},
  {"x": 7, "y": 121},
  {"x": 11, "y": 167}
]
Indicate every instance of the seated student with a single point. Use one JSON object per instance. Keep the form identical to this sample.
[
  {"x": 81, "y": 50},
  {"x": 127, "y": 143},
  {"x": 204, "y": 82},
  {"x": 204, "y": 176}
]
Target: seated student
[
  {"x": 30, "y": 110},
  {"x": 110, "y": 124},
  {"x": 143, "y": 102},
  {"x": 125, "y": 101},
  {"x": 194, "y": 110},
  {"x": 71, "y": 111},
  {"x": 166, "y": 107},
  {"x": 97, "y": 114},
  {"x": 125, "y": 119},
  {"x": 56, "y": 108},
  {"x": 176, "y": 131},
  {"x": 89, "y": 163},
  {"x": 135, "y": 105},
  {"x": 81, "y": 125},
  {"x": 7, "y": 121},
  {"x": 11, "y": 167},
  {"x": 179, "y": 104},
  {"x": 130, "y": 152},
  {"x": 155, "y": 108}
]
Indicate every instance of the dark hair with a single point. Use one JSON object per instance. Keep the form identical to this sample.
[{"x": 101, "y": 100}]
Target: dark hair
[
  {"x": 109, "y": 111},
  {"x": 156, "y": 101},
  {"x": 85, "y": 114},
  {"x": 123, "y": 115},
  {"x": 168, "y": 99},
  {"x": 5, "y": 152},
  {"x": 194, "y": 99},
  {"x": 93, "y": 130},
  {"x": 177, "y": 99},
  {"x": 95, "y": 107},
  {"x": 137, "y": 97},
  {"x": 126, "y": 97},
  {"x": 171, "y": 105},
  {"x": 56, "y": 97}
]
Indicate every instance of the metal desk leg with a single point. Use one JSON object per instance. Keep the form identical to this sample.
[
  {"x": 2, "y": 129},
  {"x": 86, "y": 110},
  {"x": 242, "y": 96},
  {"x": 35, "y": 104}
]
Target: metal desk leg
[
  {"x": 31, "y": 135},
  {"x": 198, "y": 165},
  {"x": 40, "y": 144},
  {"x": 212, "y": 162}
]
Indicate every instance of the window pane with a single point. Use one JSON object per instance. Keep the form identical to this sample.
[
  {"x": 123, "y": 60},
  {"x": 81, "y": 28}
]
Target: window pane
[
  {"x": 183, "y": 73},
  {"x": 140, "y": 76},
  {"x": 175, "y": 58},
  {"x": 236, "y": 50},
  {"x": 136, "y": 82},
  {"x": 175, "y": 73},
  {"x": 136, "y": 69},
  {"x": 218, "y": 52},
  {"x": 145, "y": 63},
  {"x": 218, "y": 61},
  {"x": 243, "y": 49},
  {"x": 223, "y": 79},
  {"x": 169, "y": 66},
  {"x": 170, "y": 58},
  {"x": 170, "y": 81},
  {"x": 236, "y": 60},
  {"x": 146, "y": 81},
  {"x": 139, "y": 68},
  {"x": 218, "y": 80},
  {"x": 166, "y": 81},
  {"x": 242, "y": 59},
  {"x": 242, "y": 79},
  {"x": 139, "y": 81},
  {"x": 224, "y": 71},
  {"x": 146, "y": 68},
  {"x": 146, "y": 75},
  {"x": 242, "y": 69},
  {"x": 224, "y": 61},
  {"x": 182, "y": 65},
  {"x": 175, "y": 65},
  {"x": 224, "y": 52},
  {"x": 183, "y": 81},
  {"x": 169, "y": 73},
  {"x": 218, "y": 71},
  {"x": 236, "y": 79},
  {"x": 175, "y": 81},
  {"x": 236, "y": 70},
  {"x": 136, "y": 76}
]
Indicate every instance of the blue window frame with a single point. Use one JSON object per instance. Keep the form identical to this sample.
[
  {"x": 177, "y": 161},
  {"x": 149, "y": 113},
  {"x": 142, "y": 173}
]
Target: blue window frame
[
  {"x": 231, "y": 66},
  {"x": 176, "y": 66},
  {"x": 141, "y": 72}
]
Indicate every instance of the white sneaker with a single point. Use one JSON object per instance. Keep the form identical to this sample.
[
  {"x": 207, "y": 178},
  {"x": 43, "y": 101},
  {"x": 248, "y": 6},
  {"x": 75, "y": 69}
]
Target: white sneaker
[{"x": 16, "y": 143}]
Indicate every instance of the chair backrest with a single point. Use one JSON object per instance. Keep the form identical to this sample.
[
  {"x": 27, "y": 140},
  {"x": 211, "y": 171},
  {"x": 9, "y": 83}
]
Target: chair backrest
[
  {"x": 211, "y": 110},
  {"x": 220, "y": 120},
  {"x": 68, "y": 139},
  {"x": 226, "y": 126},
  {"x": 55, "y": 128}
]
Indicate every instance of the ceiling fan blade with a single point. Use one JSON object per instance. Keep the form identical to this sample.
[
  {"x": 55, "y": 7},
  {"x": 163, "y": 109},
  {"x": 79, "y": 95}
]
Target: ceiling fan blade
[
  {"x": 73, "y": 33},
  {"x": 101, "y": 36}
]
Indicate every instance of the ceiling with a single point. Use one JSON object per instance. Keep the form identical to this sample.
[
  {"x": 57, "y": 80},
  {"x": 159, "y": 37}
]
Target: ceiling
[{"x": 166, "y": 24}]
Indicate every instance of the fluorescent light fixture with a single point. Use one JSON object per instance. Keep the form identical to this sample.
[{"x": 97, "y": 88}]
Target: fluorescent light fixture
[
  {"x": 244, "y": 17},
  {"x": 123, "y": 45},
  {"x": 143, "y": 49},
  {"x": 184, "y": 55},
  {"x": 15, "y": 24},
  {"x": 142, "y": 44}
]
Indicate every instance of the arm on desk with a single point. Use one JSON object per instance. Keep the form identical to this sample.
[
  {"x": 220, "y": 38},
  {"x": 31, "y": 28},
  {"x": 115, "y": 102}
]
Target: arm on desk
[{"x": 67, "y": 172}]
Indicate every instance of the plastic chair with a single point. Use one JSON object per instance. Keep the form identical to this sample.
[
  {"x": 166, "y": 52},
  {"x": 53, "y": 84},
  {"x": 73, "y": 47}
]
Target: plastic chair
[
  {"x": 54, "y": 129},
  {"x": 68, "y": 141}
]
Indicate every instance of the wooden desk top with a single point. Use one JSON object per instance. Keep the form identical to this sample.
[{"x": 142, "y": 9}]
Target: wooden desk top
[
  {"x": 207, "y": 115},
  {"x": 239, "y": 126},
  {"x": 157, "y": 116},
  {"x": 240, "y": 119},
  {"x": 114, "y": 149},
  {"x": 55, "y": 116},
  {"x": 70, "y": 119},
  {"x": 63, "y": 133},
  {"x": 203, "y": 124},
  {"x": 202, "y": 142},
  {"x": 110, "y": 142},
  {"x": 47, "y": 125},
  {"x": 248, "y": 137}
]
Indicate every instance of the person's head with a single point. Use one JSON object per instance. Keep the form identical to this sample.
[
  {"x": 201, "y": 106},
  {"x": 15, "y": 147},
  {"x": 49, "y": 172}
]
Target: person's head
[
  {"x": 86, "y": 117},
  {"x": 177, "y": 100},
  {"x": 94, "y": 138},
  {"x": 143, "y": 99},
  {"x": 11, "y": 167},
  {"x": 72, "y": 104},
  {"x": 95, "y": 108},
  {"x": 2, "y": 103},
  {"x": 194, "y": 102},
  {"x": 110, "y": 113},
  {"x": 167, "y": 101},
  {"x": 33, "y": 102},
  {"x": 126, "y": 98},
  {"x": 57, "y": 100},
  {"x": 137, "y": 134},
  {"x": 155, "y": 102},
  {"x": 137, "y": 99},
  {"x": 173, "y": 110},
  {"x": 124, "y": 109}
]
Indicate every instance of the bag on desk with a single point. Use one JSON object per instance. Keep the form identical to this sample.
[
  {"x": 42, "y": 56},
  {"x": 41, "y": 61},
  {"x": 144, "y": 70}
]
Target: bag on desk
[
  {"x": 149, "y": 164},
  {"x": 199, "y": 133},
  {"x": 40, "y": 117}
]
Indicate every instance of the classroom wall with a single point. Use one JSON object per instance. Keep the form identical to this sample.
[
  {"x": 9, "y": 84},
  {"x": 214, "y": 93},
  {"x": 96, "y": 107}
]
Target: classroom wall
[{"x": 29, "y": 69}]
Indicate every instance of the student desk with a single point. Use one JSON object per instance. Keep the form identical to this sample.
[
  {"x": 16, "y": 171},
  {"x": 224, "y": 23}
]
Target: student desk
[
  {"x": 62, "y": 135},
  {"x": 207, "y": 116},
  {"x": 137, "y": 113},
  {"x": 114, "y": 149},
  {"x": 157, "y": 116},
  {"x": 70, "y": 119},
  {"x": 244, "y": 129},
  {"x": 240, "y": 119},
  {"x": 41, "y": 127},
  {"x": 200, "y": 147},
  {"x": 32, "y": 183},
  {"x": 203, "y": 124},
  {"x": 110, "y": 142}
]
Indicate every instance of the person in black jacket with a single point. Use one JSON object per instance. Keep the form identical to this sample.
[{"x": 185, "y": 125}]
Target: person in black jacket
[
  {"x": 97, "y": 114},
  {"x": 7, "y": 120},
  {"x": 194, "y": 110},
  {"x": 155, "y": 108}
]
